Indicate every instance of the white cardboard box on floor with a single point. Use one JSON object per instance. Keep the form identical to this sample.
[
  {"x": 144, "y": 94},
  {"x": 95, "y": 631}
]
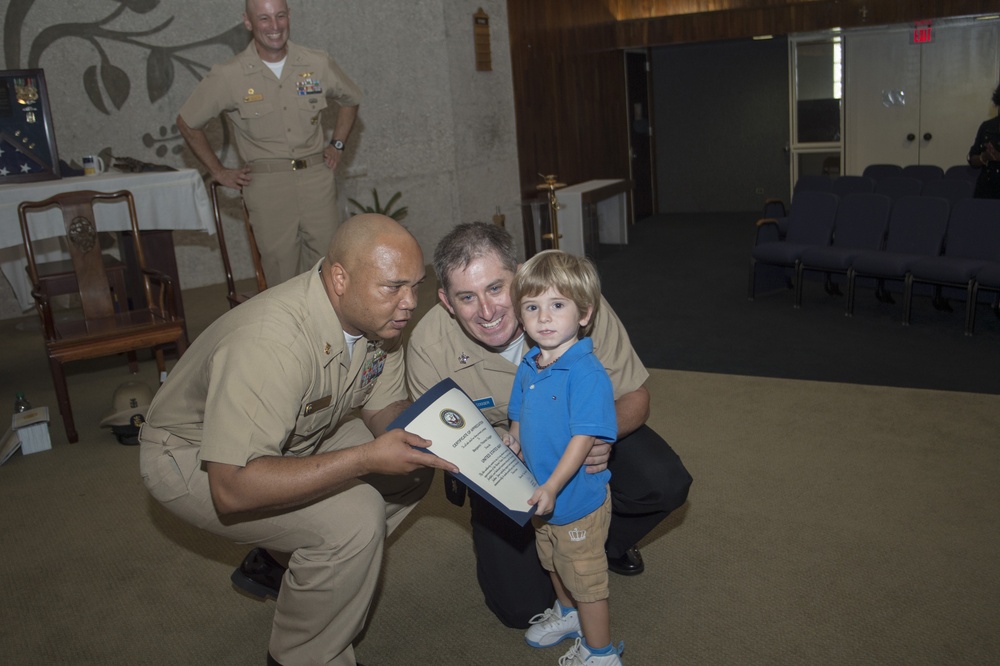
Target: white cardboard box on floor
[{"x": 32, "y": 428}]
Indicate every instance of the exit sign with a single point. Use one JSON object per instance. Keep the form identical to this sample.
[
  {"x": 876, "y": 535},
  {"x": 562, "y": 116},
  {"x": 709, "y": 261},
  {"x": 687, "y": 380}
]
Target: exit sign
[{"x": 922, "y": 32}]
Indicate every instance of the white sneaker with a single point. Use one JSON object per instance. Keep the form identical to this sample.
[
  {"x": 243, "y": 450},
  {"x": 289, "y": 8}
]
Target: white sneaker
[
  {"x": 552, "y": 627},
  {"x": 579, "y": 655}
]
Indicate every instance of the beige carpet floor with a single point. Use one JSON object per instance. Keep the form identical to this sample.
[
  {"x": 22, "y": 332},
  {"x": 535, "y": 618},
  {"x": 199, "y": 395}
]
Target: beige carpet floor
[{"x": 828, "y": 524}]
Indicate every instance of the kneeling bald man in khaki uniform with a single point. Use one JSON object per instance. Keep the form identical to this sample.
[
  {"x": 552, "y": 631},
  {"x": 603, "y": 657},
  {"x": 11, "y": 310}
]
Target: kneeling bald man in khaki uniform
[{"x": 270, "y": 430}]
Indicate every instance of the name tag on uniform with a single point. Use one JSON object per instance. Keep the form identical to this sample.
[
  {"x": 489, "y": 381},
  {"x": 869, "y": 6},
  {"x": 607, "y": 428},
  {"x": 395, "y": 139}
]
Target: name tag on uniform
[
  {"x": 484, "y": 403},
  {"x": 317, "y": 405}
]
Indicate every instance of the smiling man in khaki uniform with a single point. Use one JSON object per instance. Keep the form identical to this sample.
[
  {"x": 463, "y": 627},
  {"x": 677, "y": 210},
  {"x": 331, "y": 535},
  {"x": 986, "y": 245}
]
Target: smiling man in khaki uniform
[
  {"x": 255, "y": 435},
  {"x": 273, "y": 94}
]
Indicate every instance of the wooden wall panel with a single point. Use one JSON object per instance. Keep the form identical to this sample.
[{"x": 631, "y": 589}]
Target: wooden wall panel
[
  {"x": 645, "y": 23},
  {"x": 569, "y": 88},
  {"x": 850, "y": 13}
]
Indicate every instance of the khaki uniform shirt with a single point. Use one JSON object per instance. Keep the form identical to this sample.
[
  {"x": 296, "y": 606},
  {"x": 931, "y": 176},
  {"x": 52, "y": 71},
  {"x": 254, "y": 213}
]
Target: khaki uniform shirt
[
  {"x": 272, "y": 118},
  {"x": 272, "y": 377},
  {"x": 439, "y": 348}
]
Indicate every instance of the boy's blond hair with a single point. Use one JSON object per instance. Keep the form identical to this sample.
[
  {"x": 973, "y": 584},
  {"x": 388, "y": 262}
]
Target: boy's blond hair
[{"x": 572, "y": 276}]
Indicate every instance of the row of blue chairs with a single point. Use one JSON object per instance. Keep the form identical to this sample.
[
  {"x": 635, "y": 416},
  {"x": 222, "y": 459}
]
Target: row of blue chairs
[
  {"x": 915, "y": 239},
  {"x": 894, "y": 187},
  {"x": 922, "y": 172}
]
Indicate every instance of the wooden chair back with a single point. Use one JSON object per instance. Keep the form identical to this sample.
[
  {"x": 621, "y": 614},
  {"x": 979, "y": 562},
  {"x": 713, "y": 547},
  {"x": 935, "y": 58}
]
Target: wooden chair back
[
  {"x": 81, "y": 235},
  {"x": 233, "y": 296}
]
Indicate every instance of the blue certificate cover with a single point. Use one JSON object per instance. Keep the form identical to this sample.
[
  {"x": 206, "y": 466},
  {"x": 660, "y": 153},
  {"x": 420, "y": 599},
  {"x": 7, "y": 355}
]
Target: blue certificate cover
[{"x": 461, "y": 435}]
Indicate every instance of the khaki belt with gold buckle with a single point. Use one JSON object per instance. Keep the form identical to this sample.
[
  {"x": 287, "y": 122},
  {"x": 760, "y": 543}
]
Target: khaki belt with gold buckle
[{"x": 280, "y": 165}]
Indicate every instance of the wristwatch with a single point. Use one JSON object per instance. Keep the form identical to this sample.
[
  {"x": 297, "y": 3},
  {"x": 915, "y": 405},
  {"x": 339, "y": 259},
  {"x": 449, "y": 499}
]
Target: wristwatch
[{"x": 338, "y": 144}]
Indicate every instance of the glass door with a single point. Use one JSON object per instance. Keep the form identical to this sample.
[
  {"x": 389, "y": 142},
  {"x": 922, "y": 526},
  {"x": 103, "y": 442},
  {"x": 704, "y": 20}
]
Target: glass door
[{"x": 816, "y": 87}]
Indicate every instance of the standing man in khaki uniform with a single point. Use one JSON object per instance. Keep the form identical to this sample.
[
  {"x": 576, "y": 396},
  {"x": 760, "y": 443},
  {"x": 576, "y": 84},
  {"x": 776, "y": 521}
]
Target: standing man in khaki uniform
[
  {"x": 273, "y": 94},
  {"x": 473, "y": 336},
  {"x": 256, "y": 436}
]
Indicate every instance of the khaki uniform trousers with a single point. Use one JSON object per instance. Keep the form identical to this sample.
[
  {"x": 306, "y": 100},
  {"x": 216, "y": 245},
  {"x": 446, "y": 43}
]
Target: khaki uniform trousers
[
  {"x": 335, "y": 543},
  {"x": 293, "y": 215}
]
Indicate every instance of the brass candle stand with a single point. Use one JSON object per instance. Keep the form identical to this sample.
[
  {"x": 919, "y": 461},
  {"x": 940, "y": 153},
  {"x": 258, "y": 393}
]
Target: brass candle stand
[{"x": 551, "y": 185}]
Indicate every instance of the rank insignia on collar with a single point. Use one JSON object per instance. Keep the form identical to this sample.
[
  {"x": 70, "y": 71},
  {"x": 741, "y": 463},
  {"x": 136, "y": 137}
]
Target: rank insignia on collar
[
  {"x": 464, "y": 358},
  {"x": 327, "y": 348}
]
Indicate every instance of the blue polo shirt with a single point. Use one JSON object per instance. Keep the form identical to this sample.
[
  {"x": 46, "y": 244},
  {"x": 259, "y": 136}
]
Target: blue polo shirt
[{"x": 573, "y": 396}]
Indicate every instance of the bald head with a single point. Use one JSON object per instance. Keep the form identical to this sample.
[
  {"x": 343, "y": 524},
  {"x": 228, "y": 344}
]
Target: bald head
[
  {"x": 372, "y": 272},
  {"x": 268, "y": 23},
  {"x": 251, "y": 5},
  {"x": 358, "y": 237}
]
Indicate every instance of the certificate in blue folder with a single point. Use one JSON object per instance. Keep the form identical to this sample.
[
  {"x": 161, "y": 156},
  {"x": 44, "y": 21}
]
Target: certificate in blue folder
[{"x": 460, "y": 434}]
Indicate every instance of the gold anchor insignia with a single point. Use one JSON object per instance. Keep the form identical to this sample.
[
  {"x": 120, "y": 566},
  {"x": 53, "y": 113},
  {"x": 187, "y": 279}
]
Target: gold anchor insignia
[{"x": 327, "y": 348}]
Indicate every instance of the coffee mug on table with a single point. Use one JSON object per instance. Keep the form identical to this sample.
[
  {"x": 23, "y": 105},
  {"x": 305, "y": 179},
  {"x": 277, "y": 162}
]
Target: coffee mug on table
[{"x": 92, "y": 165}]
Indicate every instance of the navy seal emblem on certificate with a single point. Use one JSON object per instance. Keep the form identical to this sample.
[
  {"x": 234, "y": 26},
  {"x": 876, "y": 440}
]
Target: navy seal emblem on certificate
[{"x": 452, "y": 419}]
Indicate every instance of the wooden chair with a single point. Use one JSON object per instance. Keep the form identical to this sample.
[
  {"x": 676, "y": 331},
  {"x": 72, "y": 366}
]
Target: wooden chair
[
  {"x": 105, "y": 324},
  {"x": 234, "y": 297}
]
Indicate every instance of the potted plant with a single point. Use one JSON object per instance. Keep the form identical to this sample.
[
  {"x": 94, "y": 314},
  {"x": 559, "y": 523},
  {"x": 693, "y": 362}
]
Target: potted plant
[{"x": 376, "y": 207}]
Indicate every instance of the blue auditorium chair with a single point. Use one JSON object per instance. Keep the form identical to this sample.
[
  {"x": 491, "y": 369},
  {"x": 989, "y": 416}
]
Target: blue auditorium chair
[
  {"x": 861, "y": 224},
  {"x": 962, "y": 171},
  {"x": 898, "y": 186},
  {"x": 925, "y": 173},
  {"x": 951, "y": 189},
  {"x": 879, "y": 171},
  {"x": 774, "y": 208},
  {"x": 972, "y": 243},
  {"x": 809, "y": 223},
  {"x": 844, "y": 185},
  {"x": 917, "y": 226}
]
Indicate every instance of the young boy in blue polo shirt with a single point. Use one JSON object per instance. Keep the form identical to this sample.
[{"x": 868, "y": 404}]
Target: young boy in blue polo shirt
[{"x": 561, "y": 403}]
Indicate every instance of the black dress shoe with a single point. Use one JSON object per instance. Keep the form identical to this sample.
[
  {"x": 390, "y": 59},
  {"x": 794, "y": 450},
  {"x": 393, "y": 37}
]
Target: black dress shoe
[
  {"x": 629, "y": 564},
  {"x": 259, "y": 574}
]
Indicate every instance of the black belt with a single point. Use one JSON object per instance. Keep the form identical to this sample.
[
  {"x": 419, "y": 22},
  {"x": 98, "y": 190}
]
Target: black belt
[{"x": 280, "y": 165}]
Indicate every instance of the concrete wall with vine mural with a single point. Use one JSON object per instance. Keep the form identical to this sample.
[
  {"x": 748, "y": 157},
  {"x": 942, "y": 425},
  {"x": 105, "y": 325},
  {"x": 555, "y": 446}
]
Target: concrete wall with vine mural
[{"x": 431, "y": 126}]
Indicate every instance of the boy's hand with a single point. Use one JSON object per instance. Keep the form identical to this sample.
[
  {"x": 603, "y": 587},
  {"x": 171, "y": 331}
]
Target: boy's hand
[{"x": 544, "y": 499}]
